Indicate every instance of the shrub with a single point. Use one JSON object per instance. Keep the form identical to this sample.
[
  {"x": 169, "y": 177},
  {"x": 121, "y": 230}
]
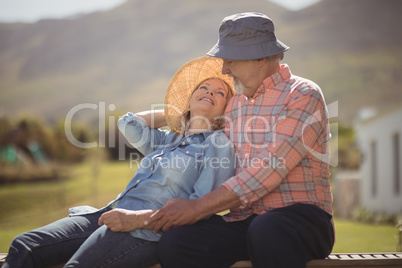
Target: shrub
[{"x": 363, "y": 215}]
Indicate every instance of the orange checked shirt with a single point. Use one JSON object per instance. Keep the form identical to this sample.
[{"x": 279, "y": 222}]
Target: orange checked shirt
[{"x": 281, "y": 136}]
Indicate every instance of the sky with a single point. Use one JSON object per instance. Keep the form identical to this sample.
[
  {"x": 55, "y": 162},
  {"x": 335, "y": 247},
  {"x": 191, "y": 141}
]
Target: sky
[{"x": 33, "y": 10}]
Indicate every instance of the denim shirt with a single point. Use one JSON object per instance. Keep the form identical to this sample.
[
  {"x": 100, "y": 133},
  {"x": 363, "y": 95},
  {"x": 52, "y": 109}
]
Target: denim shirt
[{"x": 174, "y": 166}]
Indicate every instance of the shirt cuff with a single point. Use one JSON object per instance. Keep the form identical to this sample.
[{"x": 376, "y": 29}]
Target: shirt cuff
[{"x": 234, "y": 186}]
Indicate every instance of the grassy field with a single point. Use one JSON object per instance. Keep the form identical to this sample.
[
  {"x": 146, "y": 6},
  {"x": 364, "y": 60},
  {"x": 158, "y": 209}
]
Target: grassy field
[
  {"x": 358, "y": 237},
  {"x": 27, "y": 206}
]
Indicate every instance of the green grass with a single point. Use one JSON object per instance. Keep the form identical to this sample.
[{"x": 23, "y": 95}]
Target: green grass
[
  {"x": 27, "y": 206},
  {"x": 358, "y": 237}
]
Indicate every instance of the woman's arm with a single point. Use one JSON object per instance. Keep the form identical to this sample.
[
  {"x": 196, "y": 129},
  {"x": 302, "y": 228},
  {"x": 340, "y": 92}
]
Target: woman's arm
[
  {"x": 153, "y": 118},
  {"x": 136, "y": 131},
  {"x": 124, "y": 220}
]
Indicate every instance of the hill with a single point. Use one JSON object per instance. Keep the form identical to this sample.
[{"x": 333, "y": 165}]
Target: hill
[
  {"x": 127, "y": 55},
  {"x": 352, "y": 49}
]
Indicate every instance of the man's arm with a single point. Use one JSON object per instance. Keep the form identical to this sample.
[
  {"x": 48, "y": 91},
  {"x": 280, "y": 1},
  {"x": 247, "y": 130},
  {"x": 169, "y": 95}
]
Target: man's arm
[
  {"x": 295, "y": 136},
  {"x": 300, "y": 133},
  {"x": 180, "y": 211}
]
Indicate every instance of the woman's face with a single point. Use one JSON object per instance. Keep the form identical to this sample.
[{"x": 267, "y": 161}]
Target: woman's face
[{"x": 209, "y": 99}]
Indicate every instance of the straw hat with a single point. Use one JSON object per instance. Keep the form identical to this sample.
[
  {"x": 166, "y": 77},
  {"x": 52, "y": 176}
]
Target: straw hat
[{"x": 184, "y": 82}]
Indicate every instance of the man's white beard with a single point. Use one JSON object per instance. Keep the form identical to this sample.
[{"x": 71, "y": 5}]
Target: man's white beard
[{"x": 239, "y": 87}]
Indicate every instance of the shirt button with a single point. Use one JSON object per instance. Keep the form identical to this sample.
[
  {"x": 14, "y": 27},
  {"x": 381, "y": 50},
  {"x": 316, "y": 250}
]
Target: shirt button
[
  {"x": 183, "y": 143},
  {"x": 187, "y": 152},
  {"x": 252, "y": 101}
]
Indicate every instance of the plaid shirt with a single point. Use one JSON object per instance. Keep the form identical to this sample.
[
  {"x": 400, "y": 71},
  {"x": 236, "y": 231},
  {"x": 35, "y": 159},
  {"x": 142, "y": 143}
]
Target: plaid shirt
[{"x": 282, "y": 137}]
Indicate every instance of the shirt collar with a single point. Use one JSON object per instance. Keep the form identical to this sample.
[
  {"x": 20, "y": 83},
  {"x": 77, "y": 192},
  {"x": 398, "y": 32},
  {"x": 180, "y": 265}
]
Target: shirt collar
[
  {"x": 272, "y": 81},
  {"x": 205, "y": 134}
]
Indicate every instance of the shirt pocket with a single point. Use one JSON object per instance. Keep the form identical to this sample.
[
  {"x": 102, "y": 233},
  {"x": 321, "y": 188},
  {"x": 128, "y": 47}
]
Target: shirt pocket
[{"x": 188, "y": 159}]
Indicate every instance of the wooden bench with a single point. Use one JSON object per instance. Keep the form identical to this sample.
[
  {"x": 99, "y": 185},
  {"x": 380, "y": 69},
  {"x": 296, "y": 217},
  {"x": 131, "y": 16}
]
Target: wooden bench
[{"x": 351, "y": 260}]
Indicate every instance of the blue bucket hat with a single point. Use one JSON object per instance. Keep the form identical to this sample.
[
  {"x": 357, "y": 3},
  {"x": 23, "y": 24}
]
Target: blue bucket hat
[{"x": 247, "y": 36}]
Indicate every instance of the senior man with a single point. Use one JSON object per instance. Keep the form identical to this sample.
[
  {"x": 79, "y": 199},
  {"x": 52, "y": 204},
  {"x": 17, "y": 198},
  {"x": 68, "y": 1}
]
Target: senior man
[{"x": 280, "y": 198}]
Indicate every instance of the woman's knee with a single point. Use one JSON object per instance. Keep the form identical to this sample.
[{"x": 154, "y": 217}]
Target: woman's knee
[
  {"x": 20, "y": 250},
  {"x": 22, "y": 243}
]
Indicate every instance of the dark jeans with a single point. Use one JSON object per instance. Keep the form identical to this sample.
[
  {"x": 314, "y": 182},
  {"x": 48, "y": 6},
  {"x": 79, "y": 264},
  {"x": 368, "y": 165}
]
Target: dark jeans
[
  {"x": 79, "y": 242},
  {"x": 284, "y": 237}
]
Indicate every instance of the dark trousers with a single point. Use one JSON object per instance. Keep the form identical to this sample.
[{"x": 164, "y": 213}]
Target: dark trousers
[{"x": 285, "y": 237}]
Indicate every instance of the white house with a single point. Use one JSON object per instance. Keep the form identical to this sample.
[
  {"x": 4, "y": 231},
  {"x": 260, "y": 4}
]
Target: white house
[{"x": 379, "y": 138}]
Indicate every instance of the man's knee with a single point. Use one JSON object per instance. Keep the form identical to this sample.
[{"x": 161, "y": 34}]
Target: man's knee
[
  {"x": 263, "y": 229},
  {"x": 270, "y": 238},
  {"x": 171, "y": 243},
  {"x": 274, "y": 233}
]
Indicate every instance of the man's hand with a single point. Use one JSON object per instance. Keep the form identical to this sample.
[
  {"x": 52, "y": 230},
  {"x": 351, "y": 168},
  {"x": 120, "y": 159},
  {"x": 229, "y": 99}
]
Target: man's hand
[
  {"x": 181, "y": 211},
  {"x": 175, "y": 212},
  {"x": 123, "y": 220}
]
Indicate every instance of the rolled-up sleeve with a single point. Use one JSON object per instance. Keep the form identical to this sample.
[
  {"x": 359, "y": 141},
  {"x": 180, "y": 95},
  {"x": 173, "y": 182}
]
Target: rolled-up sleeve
[{"x": 139, "y": 135}]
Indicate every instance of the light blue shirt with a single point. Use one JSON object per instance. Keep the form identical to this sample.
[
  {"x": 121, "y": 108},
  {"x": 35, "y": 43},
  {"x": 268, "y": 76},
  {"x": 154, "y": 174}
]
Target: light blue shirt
[{"x": 174, "y": 166}]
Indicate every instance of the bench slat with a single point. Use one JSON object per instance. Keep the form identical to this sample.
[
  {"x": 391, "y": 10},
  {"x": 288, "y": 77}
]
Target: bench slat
[
  {"x": 356, "y": 257},
  {"x": 333, "y": 257},
  {"x": 359, "y": 260},
  {"x": 350, "y": 260},
  {"x": 368, "y": 256}
]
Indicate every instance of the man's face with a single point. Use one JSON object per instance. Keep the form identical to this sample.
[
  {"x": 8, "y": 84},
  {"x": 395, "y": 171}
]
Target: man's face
[
  {"x": 244, "y": 73},
  {"x": 238, "y": 85}
]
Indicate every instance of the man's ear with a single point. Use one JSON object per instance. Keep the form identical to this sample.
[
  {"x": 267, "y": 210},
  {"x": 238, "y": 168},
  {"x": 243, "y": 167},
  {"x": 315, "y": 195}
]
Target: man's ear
[{"x": 261, "y": 61}]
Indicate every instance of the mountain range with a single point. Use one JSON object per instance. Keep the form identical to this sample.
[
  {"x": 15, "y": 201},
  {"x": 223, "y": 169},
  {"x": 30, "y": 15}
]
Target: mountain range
[{"x": 123, "y": 58}]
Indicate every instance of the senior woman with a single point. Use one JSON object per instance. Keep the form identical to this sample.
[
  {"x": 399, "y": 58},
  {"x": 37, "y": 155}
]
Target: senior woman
[{"x": 190, "y": 160}]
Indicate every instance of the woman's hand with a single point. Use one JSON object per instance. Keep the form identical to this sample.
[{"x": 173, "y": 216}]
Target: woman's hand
[
  {"x": 153, "y": 118},
  {"x": 124, "y": 220}
]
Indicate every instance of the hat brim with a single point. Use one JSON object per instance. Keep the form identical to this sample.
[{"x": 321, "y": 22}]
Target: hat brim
[
  {"x": 184, "y": 82},
  {"x": 249, "y": 52}
]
